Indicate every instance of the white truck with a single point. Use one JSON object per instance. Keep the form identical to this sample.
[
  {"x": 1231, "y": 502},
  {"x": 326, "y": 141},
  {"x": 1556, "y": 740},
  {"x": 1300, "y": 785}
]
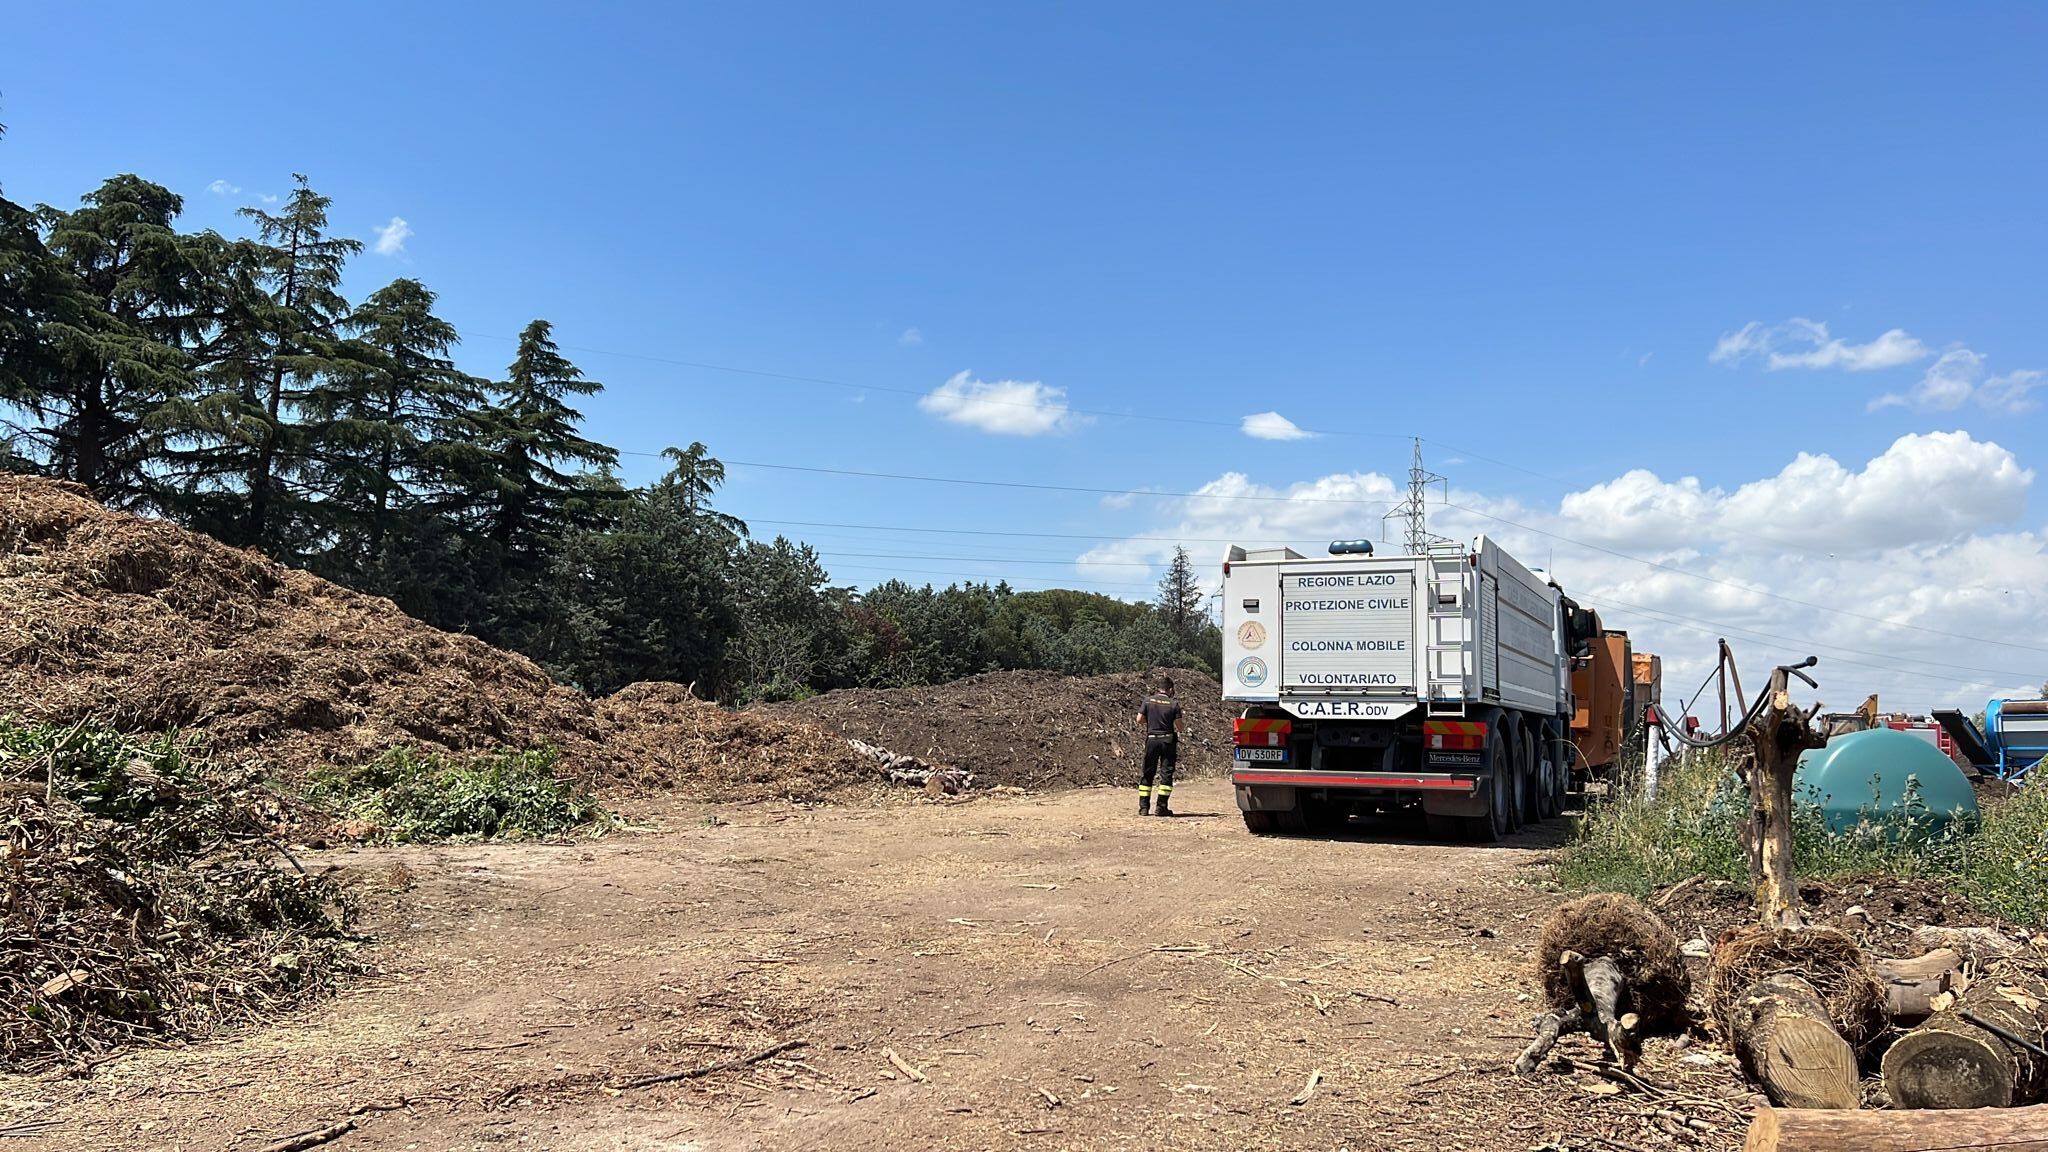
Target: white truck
[{"x": 1370, "y": 683}]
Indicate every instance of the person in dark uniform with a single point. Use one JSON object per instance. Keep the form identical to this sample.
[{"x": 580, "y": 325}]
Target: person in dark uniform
[{"x": 1159, "y": 718}]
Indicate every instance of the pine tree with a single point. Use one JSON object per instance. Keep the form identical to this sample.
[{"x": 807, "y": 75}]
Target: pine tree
[
  {"x": 119, "y": 290},
  {"x": 372, "y": 425},
  {"x": 281, "y": 320},
  {"x": 35, "y": 296},
  {"x": 534, "y": 439},
  {"x": 1181, "y": 599}
]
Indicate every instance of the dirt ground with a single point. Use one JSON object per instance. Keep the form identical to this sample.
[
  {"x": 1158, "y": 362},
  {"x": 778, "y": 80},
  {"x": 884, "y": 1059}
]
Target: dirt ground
[{"x": 1058, "y": 973}]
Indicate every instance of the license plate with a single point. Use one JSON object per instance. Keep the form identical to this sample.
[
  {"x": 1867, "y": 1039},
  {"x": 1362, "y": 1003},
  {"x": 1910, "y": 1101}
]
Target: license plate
[{"x": 1275, "y": 755}]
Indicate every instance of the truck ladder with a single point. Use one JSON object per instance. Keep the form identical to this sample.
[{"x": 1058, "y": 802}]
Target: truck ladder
[{"x": 1446, "y": 603}]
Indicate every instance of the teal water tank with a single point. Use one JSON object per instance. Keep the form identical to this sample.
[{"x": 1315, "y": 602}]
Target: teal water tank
[{"x": 1863, "y": 775}]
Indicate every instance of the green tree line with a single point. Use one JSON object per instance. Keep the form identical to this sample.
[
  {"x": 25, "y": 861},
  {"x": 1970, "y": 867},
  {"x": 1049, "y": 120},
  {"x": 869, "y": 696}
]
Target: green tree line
[{"x": 226, "y": 384}]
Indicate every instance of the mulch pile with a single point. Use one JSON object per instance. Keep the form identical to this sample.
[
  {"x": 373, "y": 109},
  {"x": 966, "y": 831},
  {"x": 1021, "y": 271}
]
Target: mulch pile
[
  {"x": 1028, "y": 729},
  {"x": 658, "y": 736},
  {"x": 139, "y": 625}
]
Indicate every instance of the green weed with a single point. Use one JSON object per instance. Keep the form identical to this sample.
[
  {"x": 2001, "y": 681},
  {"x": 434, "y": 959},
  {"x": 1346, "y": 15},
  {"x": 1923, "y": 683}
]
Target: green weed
[
  {"x": 406, "y": 796},
  {"x": 1632, "y": 844}
]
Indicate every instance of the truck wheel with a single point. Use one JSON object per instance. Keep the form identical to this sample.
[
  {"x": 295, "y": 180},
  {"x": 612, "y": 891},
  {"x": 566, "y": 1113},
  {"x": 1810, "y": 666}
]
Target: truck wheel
[
  {"x": 1498, "y": 823},
  {"x": 1534, "y": 783},
  {"x": 1261, "y": 823},
  {"x": 1560, "y": 782}
]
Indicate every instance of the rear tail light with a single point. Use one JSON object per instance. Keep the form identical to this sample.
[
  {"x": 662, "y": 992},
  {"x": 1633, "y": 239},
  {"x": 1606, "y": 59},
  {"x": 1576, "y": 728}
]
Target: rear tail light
[
  {"x": 1454, "y": 735},
  {"x": 1261, "y": 733}
]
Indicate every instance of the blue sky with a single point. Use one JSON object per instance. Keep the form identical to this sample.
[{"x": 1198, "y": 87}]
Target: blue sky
[{"x": 1521, "y": 233}]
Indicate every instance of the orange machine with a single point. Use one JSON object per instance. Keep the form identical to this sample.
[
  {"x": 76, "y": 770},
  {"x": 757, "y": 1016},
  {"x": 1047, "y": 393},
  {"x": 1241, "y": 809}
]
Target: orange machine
[
  {"x": 1649, "y": 687},
  {"x": 1604, "y": 688}
]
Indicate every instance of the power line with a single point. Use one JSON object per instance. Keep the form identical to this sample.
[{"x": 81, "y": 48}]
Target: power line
[
  {"x": 1892, "y": 668},
  {"x": 920, "y": 393},
  {"x": 991, "y": 559},
  {"x": 984, "y": 578},
  {"x": 1035, "y": 487},
  {"x": 1658, "y": 564},
  {"x": 1806, "y": 645},
  {"x": 1755, "y": 591},
  {"x": 1001, "y": 532}
]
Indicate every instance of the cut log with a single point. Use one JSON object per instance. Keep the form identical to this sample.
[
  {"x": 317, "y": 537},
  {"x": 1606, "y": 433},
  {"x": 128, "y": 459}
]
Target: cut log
[
  {"x": 1910, "y": 986},
  {"x": 1602, "y": 989},
  {"x": 1796, "y": 1130},
  {"x": 1953, "y": 1062},
  {"x": 1977, "y": 945},
  {"x": 1784, "y": 1036}
]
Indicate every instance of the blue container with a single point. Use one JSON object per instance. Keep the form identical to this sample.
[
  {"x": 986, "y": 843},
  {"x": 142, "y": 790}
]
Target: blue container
[{"x": 1864, "y": 776}]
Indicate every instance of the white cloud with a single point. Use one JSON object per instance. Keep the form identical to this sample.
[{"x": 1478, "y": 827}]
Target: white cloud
[
  {"x": 267, "y": 198},
  {"x": 1803, "y": 343},
  {"x": 2008, "y": 393},
  {"x": 1930, "y": 533},
  {"x": 222, "y": 188},
  {"x": 1926, "y": 488},
  {"x": 1272, "y": 426},
  {"x": 1957, "y": 378},
  {"x": 911, "y": 338},
  {"x": 391, "y": 237},
  {"x": 1004, "y": 407}
]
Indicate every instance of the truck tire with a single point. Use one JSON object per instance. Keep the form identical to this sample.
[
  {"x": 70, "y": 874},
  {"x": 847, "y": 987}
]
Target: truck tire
[
  {"x": 1498, "y": 823},
  {"x": 1528, "y": 780},
  {"x": 1546, "y": 773}
]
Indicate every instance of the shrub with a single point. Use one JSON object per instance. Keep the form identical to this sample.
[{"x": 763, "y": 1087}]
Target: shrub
[
  {"x": 407, "y": 796},
  {"x": 2006, "y": 864},
  {"x": 1630, "y": 843}
]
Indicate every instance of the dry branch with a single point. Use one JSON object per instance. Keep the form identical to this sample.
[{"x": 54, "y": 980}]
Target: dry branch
[
  {"x": 904, "y": 1067},
  {"x": 311, "y": 1139},
  {"x": 709, "y": 1069}
]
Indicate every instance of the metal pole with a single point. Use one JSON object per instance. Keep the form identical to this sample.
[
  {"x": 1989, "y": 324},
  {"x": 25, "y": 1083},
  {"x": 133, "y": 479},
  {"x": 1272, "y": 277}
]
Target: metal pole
[
  {"x": 1721, "y": 681},
  {"x": 1651, "y": 718}
]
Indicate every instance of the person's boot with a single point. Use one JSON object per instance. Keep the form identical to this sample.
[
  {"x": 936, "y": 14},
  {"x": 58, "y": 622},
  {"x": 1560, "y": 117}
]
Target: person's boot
[
  {"x": 1145, "y": 805},
  {"x": 1163, "y": 809}
]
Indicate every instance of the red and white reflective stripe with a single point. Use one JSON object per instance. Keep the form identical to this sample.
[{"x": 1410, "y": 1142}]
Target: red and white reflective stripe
[
  {"x": 1454, "y": 735},
  {"x": 1354, "y": 780},
  {"x": 1261, "y": 733}
]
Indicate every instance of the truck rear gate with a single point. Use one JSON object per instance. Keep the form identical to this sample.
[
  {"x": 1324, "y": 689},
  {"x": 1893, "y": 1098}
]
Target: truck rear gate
[{"x": 1384, "y": 679}]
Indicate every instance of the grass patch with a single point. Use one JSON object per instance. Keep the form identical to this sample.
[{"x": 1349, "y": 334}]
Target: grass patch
[
  {"x": 1693, "y": 827},
  {"x": 406, "y": 796}
]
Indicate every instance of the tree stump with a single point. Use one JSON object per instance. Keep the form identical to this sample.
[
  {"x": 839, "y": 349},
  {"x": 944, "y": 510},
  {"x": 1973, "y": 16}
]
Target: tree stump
[
  {"x": 1783, "y": 1033},
  {"x": 1952, "y": 1062},
  {"x": 2006, "y": 1129}
]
